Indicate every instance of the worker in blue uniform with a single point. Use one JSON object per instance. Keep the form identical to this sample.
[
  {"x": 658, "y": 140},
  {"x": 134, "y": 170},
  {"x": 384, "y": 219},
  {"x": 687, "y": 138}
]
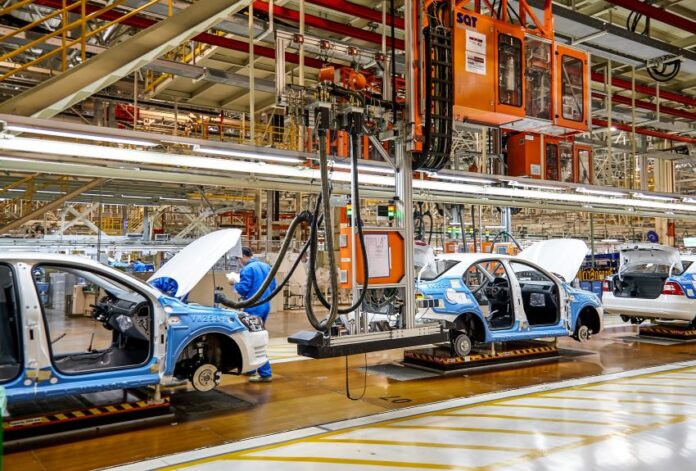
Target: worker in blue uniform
[{"x": 251, "y": 277}]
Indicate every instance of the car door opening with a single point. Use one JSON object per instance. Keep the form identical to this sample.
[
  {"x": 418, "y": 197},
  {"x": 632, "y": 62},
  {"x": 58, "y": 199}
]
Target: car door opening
[
  {"x": 10, "y": 356},
  {"x": 540, "y": 295},
  {"x": 110, "y": 330}
]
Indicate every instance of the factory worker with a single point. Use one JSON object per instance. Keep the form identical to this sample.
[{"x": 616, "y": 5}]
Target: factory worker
[{"x": 250, "y": 279}]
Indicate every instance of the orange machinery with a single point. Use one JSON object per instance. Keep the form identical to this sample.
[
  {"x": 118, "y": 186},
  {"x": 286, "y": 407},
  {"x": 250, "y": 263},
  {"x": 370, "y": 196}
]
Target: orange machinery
[
  {"x": 515, "y": 76},
  {"x": 549, "y": 158},
  {"x": 385, "y": 249}
]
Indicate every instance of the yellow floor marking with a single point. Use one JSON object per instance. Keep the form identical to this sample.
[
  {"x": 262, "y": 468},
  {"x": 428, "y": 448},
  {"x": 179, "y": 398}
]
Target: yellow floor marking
[
  {"x": 580, "y": 409},
  {"x": 126, "y": 406},
  {"x": 77, "y": 413},
  {"x": 681, "y": 378},
  {"x": 660, "y": 385},
  {"x": 628, "y": 401},
  {"x": 61, "y": 416},
  {"x": 111, "y": 408},
  {"x": 638, "y": 391},
  {"x": 498, "y": 402},
  {"x": 688, "y": 372},
  {"x": 534, "y": 419},
  {"x": 349, "y": 461},
  {"x": 536, "y": 454},
  {"x": 420, "y": 444},
  {"x": 485, "y": 430}
]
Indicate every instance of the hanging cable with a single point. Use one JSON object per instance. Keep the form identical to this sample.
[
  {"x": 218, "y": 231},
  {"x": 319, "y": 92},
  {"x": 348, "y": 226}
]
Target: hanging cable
[{"x": 355, "y": 152}]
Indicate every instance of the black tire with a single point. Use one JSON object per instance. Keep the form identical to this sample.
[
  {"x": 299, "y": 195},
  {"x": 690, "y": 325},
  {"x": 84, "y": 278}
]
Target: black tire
[{"x": 461, "y": 344}]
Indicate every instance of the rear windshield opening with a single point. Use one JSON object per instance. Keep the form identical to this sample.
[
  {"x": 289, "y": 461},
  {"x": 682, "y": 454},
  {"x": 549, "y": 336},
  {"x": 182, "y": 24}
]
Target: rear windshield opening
[{"x": 432, "y": 272}]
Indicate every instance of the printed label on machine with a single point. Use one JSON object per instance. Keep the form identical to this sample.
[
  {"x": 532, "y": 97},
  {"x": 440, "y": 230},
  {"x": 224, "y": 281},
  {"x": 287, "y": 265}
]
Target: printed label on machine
[
  {"x": 377, "y": 248},
  {"x": 475, "y": 42},
  {"x": 475, "y": 63}
]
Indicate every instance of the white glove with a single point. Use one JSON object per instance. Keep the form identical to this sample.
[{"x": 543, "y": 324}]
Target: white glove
[{"x": 232, "y": 277}]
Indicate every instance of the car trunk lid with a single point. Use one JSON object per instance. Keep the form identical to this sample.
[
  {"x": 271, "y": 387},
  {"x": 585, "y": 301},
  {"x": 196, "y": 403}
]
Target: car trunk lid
[
  {"x": 644, "y": 253},
  {"x": 189, "y": 266}
]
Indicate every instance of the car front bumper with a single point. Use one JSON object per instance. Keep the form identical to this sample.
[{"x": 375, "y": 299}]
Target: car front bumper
[{"x": 253, "y": 346}]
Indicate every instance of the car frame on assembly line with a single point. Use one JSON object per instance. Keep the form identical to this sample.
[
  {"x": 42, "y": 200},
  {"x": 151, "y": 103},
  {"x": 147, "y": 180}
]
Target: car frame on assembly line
[
  {"x": 146, "y": 336},
  {"x": 486, "y": 298},
  {"x": 653, "y": 282}
]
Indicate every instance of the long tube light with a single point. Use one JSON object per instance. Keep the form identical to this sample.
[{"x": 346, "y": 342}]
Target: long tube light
[
  {"x": 97, "y": 153},
  {"x": 456, "y": 178},
  {"x": 79, "y": 135},
  {"x": 653, "y": 197},
  {"x": 591, "y": 191},
  {"x": 246, "y": 155},
  {"x": 364, "y": 168}
]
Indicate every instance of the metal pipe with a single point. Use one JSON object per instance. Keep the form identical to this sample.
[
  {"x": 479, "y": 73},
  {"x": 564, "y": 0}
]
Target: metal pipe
[
  {"x": 252, "y": 95},
  {"x": 659, "y": 14}
]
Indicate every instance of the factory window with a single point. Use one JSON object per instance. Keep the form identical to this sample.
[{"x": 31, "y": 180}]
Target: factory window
[
  {"x": 537, "y": 73},
  {"x": 93, "y": 322},
  {"x": 552, "y": 162},
  {"x": 10, "y": 333},
  {"x": 567, "y": 167},
  {"x": 584, "y": 171},
  {"x": 572, "y": 79},
  {"x": 509, "y": 70}
]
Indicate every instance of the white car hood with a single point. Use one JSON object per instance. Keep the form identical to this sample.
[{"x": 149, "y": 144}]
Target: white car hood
[
  {"x": 189, "y": 266},
  {"x": 560, "y": 256},
  {"x": 645, "y": 252}
]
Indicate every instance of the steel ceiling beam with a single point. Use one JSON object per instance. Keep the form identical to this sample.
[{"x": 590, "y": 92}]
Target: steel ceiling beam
[
  {"x": 644, "y": 131},
  {"x": 646, "y": 89},
  {"x": 52, "y": 205},
  {"x": 659, "y": 14},
  {"x": 63, "y": 91},
  {"x": 357, "y": 10},
  {"x": 646, "y": 105}
]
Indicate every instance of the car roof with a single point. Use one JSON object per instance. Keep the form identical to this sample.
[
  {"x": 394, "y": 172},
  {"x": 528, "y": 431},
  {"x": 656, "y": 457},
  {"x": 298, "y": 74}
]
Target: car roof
[
  {"x": 47, "y": 257},
  {"x": 471, "y": 257}
]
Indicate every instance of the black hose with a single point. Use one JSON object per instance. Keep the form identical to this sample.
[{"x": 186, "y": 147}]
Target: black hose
[
  {"x": 224, "y": 300},
  {"x": 430, "y": 230},
  {"x": 461, "y": 225},
  {"x": 355, "y": 220},
  {"x": 323, "y": 326},
  {"x": 504, "y": 233},
  {"x": 473, "y": 227}
]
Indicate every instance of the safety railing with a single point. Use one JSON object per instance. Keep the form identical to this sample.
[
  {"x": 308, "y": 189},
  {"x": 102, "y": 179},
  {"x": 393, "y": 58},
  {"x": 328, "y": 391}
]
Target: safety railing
[{"x": 72, "y": 33}]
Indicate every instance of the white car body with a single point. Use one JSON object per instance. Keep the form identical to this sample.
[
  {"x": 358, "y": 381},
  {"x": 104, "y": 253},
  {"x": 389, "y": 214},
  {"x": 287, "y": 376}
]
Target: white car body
[{"x": 677, "y": 300}]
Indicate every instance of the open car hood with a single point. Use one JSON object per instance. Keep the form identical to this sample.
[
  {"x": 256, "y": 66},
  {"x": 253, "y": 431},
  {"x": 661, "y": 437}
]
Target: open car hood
[
  {"x": 562, "y": 257},
  {"x": 189, "y": 266},
  {"x": 645, "y": 252}
]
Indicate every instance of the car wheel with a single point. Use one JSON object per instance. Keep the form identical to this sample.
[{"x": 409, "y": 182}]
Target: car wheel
[
  {"x": 205, "y": 378},
  {"x": 583, "y": 333},
  {"x": 462, "y": 344}
]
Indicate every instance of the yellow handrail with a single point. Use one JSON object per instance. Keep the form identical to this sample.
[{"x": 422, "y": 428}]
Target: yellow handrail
[{"x": 86, "y": 34}]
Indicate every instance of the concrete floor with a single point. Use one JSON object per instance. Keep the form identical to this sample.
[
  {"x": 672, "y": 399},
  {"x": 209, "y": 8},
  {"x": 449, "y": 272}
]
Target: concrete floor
[{"x": 310, "y": 394}]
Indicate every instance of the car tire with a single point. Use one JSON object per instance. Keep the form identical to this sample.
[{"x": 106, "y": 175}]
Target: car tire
[
  {"x": 583, "y": 333},
  {"x": 206, "y": 377},
  {"x": 462, "y": 344}
]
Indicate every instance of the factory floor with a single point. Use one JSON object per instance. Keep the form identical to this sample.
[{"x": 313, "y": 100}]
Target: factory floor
[{"x": 614, "y": 406}]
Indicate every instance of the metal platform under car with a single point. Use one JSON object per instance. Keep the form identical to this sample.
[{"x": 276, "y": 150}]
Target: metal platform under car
[
  {"x": 670, "y": 331},
  {"x": 440, "y": 357}
]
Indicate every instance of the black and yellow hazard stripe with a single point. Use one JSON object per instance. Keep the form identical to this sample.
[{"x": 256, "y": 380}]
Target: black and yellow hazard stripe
[
  {"x": 667, "y": 331},
  {"x": 480, "y": 357},
  {"x": 23, "y": 423}
]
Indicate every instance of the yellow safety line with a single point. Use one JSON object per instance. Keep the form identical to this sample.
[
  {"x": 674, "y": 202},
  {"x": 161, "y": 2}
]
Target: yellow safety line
[
  {"x": 538, "y": 453},
  {"x": 658, "y": 385},
  {"x": 638, "y": 391},
  {"x": 628, "y": 401},
  {"x": 497, "y": 402},
  {"x": 353, "y": 461},
  {"x": 533, "y": 419},
  {"x": 681, "y": 378},
  {"x": 581, "y": 409},
  {"x": 486, "y": 430},
  {"x": 419, "y": 444}
]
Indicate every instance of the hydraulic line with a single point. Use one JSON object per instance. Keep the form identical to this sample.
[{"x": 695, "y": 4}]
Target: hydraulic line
[
  {"x": 473, "y": 226},
  {"x": 461, "y": 226},
  {"x": 322, "y": 326},
  {"x": 355, "y": 152},
  {"x": 305, "y": 216}
]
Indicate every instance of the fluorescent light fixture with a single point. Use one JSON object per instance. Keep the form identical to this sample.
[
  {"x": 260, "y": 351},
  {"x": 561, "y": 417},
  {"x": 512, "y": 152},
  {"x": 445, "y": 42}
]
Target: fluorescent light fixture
[
  {"x": 245, "y": 155},
  {"x": 537, "y": 187},
  {"x": 164, "y": 198},
  {"x": 365, "y": 168},
  {"x": 51, "y": 192},
  {"x": 613, "y": 128},
  {"x": 16, "y": 190},
  {"x": 136, "y": 197},
  {"x": 689, "y": 200},
  {"x": 590, "y": 191},
  {"x": 610, "y": 241},
  {"x": 79, "y": 135},
  {"x": 97, "y": 194},
  {"x": 456, "y": 178},
  {"x": 653, "y": 197}
]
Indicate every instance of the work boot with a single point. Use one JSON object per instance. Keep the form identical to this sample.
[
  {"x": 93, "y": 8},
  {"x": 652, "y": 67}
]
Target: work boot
[{"x": 260, "y": 379}]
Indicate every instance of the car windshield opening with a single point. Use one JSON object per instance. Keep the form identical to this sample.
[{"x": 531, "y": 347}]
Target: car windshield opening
[{"x": 434, "y": 271}]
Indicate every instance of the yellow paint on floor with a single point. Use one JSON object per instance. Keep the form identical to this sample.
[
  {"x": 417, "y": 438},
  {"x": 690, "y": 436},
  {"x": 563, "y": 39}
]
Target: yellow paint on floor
[{"x": 354, "y": 451}]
